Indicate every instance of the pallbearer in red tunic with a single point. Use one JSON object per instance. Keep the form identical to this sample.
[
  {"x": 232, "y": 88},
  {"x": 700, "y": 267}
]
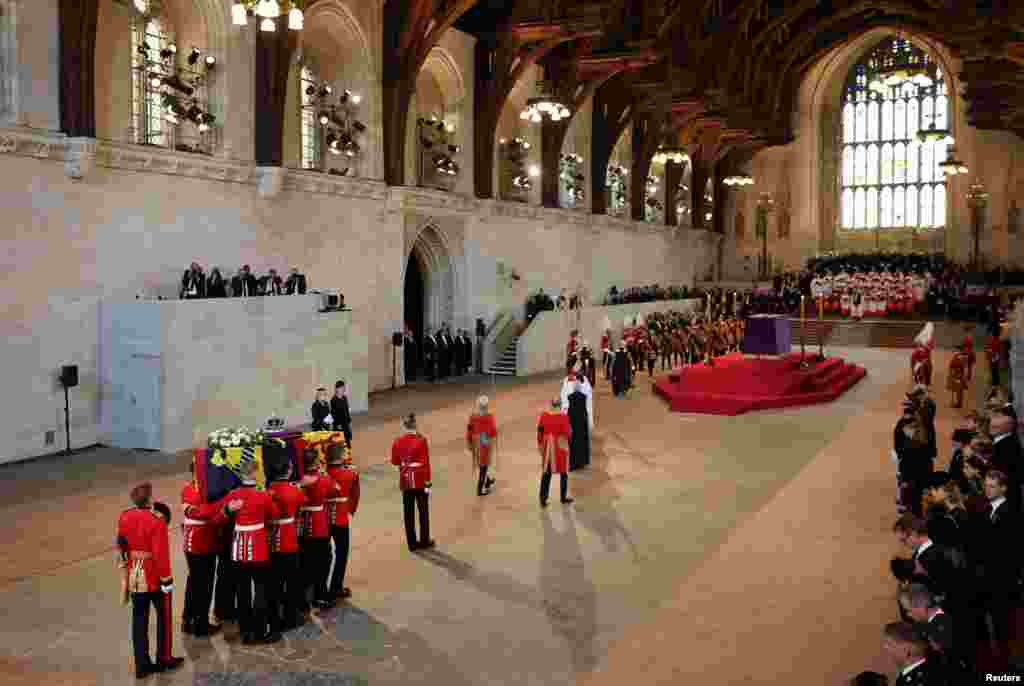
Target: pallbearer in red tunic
[
  {"x": 201, "y": 534},
  {"x": 286, "y": 595},
  {"x": 340, "y": 509},
  {"x": 145, "y": 559},
  {"x": 553, "y": 433},
  {"x": 482, "y": 441},
  {"x": 956, "y": 380},
  {"x": 571, "y": 349},
  {"x": 250, "y": 550},
  {"x": 411, "y": 455},
  {"x": 316, "y": 529}
]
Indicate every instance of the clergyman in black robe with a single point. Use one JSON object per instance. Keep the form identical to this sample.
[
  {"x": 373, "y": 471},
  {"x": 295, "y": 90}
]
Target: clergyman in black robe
[{"x": 579, "y": 443}]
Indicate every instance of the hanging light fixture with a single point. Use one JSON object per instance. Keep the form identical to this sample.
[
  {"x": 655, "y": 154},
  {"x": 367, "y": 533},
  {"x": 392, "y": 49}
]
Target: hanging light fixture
[
  {"x": 934, "y": 134},
  {"x": 668, "y": 154},
  {"x": 741, "y": 179},
  {"x": 268, "y": 11},
  {"x": 547, "y": 104},
  {"x": 953, "y": 166}
]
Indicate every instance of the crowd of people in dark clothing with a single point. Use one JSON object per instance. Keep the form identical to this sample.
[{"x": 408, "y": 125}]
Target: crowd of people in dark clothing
[
  {"x": 960, "y": 586},
  {"x": 440, "y": 354},
  {"x": 196, "y": 284}
]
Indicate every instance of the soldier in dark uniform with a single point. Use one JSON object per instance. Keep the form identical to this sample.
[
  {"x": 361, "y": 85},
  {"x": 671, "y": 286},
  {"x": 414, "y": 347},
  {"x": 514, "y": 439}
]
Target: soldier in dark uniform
[
  {"x": 444, "y": 352},
  {"x": 411, "y": 351},
  {"x": 430, "y": 356}
]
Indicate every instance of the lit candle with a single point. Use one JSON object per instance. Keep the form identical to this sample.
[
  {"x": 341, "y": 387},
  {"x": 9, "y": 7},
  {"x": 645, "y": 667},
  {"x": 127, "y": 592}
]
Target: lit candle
[{"x": 803, "y": 308}]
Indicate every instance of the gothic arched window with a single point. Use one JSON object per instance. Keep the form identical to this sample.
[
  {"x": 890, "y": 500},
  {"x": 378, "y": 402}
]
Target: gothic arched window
[{"x": 888, "y": 177}]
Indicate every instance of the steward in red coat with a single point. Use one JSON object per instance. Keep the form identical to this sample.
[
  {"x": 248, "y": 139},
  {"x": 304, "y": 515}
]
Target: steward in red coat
[
  {"x": 482, "y": 441},
  {"x": 340, "y": 510},
  {"x": 203, "y": 540},
  {"x": 409, "y": 452},
  {"x": 553, "y": 433},
  {"x": 145, "y": 559},
  {"x": 286, "y": 593},
  {"x": 250, "y": 550},
  {"x": 316, "y": 529}
]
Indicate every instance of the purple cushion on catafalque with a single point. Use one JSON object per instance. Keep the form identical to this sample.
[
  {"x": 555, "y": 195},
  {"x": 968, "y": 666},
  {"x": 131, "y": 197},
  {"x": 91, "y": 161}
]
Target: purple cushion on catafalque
[{"x": 767, "y": 334}]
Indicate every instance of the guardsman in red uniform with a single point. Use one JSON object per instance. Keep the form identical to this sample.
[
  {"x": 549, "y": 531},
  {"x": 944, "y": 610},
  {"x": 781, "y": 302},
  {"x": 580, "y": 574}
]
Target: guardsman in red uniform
[
  {"x": 956, "y": 379},
  {"x": 410, "y": 454},
  {"x": 144, "y": 546},
  {"x": 968, "y": 346},
  {"x": 316, "y": 529},
  {"x": 482, "y": 441},
  {"x": 201, "y": 534},
  {"x": 340, "y": 509},
  {"x": 286, "y": 595},
  {"x": 553, "y": 433},
  {"x": 250, "y": 551}
]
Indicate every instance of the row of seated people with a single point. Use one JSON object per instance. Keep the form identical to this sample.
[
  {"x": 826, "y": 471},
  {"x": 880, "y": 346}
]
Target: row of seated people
[
  {"x": 643, "y": 294},
  {"x": 961, "y": 583},
  {"x": 196, "y": 284}
]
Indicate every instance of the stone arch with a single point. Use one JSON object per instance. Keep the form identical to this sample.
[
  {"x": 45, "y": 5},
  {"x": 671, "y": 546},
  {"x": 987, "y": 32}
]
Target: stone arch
[
  {"x": 441, "y": 90},
  {"x": 445, "y": 70},
  {"x": 432, "y": 247},
  {"x": 815, "y": 197},
  {"x": 335, "y": 39}
]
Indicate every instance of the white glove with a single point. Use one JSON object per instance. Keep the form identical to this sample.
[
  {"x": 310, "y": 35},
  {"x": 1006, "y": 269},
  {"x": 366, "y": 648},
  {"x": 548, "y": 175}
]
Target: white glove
[
  {"x": 895, "y": 457},
  {"x": 328, "y": 419},
  {"x": 166, "y": 586}
]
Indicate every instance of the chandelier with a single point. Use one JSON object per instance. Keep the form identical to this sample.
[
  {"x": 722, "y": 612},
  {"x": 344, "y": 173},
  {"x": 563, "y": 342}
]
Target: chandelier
[
  {"x": 934, "y": 134},
  {"x": 665, "y": 154},
  {"x": 738, "y": 180},
  {"x": 545, "y": 105},
  {"x": 338, "y": 120},
  {"x": 952, "y": 166},
  {"x": 898, "y": 63},
  {"x": 268, "y": 11}
]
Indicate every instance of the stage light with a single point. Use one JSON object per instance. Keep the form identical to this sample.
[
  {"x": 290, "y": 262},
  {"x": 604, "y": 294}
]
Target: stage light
[
  {"x": 534, "y": 170},
  {"x": 356, "y": 98},
  {"x": 211, "y": 61},
  {"x": 143, "y": 50},
  {"x": 450, "y": 128},
  {"x": 324, "y": 119},
  {"x": 295, "y": 19},
  {"x": 155, "y": 81},
  {"x": 268, "y": 26},
  {"x": 268, "y": 9},
  {"x": 310, "y": 90},
  {"x": 168, "y": 52},
  {"x": 359, "y": 126},
  {"x": 193, "y": 57}
]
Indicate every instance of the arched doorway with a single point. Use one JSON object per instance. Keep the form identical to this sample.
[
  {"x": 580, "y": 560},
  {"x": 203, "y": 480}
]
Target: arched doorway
[
  {"x": 413, "y": 316},
  {"x": 430, "y": 281}
]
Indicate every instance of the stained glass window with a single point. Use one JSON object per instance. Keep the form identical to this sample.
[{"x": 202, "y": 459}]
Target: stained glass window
[
  {"x": 887, "y": 177},
  {"x": 848, "y": 131}
]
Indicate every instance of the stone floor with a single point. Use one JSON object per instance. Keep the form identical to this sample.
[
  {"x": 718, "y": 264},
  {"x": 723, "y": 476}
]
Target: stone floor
[{"x": 700, "y": 550}]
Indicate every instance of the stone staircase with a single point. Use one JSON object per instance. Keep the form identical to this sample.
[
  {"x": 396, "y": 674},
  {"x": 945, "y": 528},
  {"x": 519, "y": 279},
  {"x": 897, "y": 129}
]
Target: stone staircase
[
  {"x": 506, "y": 364},
  {"x": 875, "y": 333}
]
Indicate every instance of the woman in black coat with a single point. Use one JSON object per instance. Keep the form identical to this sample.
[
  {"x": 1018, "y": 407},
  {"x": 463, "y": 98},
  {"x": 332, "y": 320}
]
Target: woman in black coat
[
  {"x": 340, "y": 412},
  {"x": 914, "y": 456}
]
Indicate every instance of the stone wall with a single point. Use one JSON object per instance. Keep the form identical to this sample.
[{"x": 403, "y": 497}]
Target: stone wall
[{"x": 141, "y": 216}]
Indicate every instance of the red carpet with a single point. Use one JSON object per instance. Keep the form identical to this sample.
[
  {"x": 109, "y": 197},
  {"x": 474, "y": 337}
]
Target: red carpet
[{"x": 737, "y": 384}]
